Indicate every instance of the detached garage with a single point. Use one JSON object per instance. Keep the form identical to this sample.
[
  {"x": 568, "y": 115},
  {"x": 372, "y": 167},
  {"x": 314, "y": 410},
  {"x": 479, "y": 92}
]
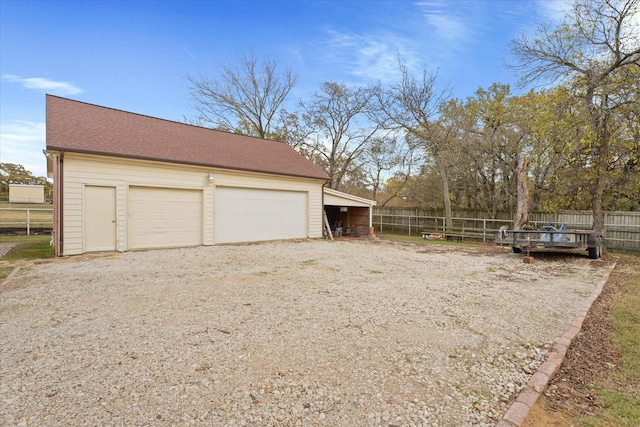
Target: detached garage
[{"x": 125, "y": 181}]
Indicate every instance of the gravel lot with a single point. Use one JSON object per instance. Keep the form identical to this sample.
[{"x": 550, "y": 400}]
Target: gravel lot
[{"x": 353, "y": 332}]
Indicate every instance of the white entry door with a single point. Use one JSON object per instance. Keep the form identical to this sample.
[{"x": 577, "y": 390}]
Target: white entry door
[{"x": 99, "y": 218}]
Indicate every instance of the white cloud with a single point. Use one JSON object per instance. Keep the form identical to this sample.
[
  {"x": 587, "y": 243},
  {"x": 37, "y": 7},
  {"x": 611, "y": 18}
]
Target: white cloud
[
  {"x": 22, "y": 142},
  {"x": 44, "y": 85},
  {"x": 447, "y": 20},
  {"x": 368, "y": 57},
  {"x": 553, "y": 10}
]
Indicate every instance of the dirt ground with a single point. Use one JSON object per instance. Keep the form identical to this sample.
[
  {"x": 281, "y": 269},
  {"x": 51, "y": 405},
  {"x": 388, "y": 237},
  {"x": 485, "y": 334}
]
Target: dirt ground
[{"x": 590, "y": 359}]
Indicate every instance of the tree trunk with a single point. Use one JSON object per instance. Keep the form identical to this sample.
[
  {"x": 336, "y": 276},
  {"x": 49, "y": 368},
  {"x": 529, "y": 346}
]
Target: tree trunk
[
  {"x": 522, "y": 210},
  {"x": 601, "y": 182},
  {"x": 445, "y": 192},
  {"x": 600, "y": 126}
]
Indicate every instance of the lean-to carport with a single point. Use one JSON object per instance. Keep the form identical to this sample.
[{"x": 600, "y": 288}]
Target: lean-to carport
[{"x": 354, "y": 214}]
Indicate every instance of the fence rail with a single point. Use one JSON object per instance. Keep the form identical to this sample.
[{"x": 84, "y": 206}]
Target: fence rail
[
  {"x": 622, "y": 229},
  {"x": 26, "y": 218}
]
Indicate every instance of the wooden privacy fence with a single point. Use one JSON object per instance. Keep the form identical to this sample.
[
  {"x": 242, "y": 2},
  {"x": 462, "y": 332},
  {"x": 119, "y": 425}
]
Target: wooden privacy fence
[
  {"x": 26, "y": 218},
  {"x": 622, "y": 228}
]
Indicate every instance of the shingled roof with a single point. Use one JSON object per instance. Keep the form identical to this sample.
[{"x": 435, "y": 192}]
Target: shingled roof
[{"x": 91, "y": 129}]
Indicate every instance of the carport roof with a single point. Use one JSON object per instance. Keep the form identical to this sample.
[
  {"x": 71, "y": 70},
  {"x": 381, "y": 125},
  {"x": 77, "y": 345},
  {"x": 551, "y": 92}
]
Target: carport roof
[
  {"x": 91, "y": 129},
  {"x": 338, "y": 198}
]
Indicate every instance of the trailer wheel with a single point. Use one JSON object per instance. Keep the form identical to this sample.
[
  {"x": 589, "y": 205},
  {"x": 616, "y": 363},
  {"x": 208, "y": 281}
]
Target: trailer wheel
[{"x": 516, "y": 250}]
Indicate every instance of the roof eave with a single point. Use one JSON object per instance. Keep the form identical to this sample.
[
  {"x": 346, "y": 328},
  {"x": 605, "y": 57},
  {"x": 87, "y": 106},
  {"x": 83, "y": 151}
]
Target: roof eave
[{"x": 175, "y": 162}]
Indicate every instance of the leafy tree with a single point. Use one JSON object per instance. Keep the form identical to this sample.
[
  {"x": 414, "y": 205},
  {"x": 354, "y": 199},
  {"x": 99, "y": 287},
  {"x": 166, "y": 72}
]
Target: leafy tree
[
  {"x": 11, "y": 173},
  {"x": 594, "y": 51},
  {"x": 245, "y": 99},
  {"x": 487, "y": 151},
  {"x": 624, "y": 193},
  {"x": 551, "y": 123}
]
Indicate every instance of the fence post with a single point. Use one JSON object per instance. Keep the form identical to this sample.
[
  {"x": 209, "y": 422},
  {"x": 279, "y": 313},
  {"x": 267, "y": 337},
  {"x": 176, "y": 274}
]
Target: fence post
[
  {"x": 28, "y": 220},
  {"x": 484, "y": 230}
]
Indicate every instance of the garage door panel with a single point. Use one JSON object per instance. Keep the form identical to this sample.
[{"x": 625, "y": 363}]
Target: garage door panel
[
  {"x": 244, "y": 215},
  {"x": 165, "y": 217}
]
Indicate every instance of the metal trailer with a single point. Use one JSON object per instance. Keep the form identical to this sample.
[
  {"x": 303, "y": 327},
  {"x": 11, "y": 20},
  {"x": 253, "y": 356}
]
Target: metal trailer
[{"x": 551, "y": 238}]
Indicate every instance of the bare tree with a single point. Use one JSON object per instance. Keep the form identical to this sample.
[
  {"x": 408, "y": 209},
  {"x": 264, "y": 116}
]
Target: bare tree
[
  {"x": 383, "y": 158},
  {"x": 244, "y": 99},
  {"x": 592, "y": 51},
  {"x": 339, "y": 119},
  {"x": 411, "y": 106}
]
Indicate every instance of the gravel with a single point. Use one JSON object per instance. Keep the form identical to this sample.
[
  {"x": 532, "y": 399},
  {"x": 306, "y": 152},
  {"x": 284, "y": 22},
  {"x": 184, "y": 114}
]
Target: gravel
[{"x": 352, "y": 332}]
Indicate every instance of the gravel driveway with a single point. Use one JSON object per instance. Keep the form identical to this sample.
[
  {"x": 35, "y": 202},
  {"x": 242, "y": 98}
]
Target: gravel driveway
[{"x": 345, "y": 333}]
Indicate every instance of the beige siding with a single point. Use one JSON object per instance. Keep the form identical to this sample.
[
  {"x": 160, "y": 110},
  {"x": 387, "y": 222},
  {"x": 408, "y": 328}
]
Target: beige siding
[
  {"x": 80, "y": 170},
  {"x": 316, "y": 210},
  {"x": 21, "y": 193}
]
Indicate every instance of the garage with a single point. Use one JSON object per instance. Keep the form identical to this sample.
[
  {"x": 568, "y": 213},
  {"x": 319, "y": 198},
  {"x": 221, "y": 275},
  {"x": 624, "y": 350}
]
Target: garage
[
  {"x": 164, "y": 217},
  {"x": 126, "y": 181},
  {"x": 247, "y": 214}
]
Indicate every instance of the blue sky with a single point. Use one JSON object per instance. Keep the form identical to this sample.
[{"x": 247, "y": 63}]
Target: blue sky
[{"x": 134, "y": 55}]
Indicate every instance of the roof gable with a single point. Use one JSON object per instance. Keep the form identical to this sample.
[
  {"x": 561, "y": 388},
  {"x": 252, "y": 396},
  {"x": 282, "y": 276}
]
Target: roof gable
[{"x": 86, "y": 128}]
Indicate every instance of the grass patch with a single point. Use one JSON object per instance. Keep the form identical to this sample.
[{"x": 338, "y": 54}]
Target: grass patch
[
  {"x": 621, "y": 408},
  {"x": 4, "y": 272},
  {"x": 28, "y": 247},
  {"x": 626, "y": 324}
]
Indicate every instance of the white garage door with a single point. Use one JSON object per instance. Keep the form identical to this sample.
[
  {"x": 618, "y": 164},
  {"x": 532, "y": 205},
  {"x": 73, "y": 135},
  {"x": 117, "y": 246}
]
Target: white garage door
[
  {"x": 164, "y": 217},
  {"x": 247, "y": 215}
]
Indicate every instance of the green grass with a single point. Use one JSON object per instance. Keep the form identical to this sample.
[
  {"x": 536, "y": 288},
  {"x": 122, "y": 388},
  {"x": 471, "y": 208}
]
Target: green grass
[
  {"x": 621, "y": 398},
  {"x": 26, "y": 248},
  {"x": 4, "y": 272}
]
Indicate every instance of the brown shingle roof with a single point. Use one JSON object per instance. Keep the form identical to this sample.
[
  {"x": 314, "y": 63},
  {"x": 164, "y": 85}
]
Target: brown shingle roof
[{"x": 86, "y": 128}]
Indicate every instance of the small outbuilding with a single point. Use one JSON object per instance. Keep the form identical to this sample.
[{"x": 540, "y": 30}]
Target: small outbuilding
[
  {"x": 352, "y": 214},
  {"x": 126, "y": 181},
  {"x": 26, "y": 193}
]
